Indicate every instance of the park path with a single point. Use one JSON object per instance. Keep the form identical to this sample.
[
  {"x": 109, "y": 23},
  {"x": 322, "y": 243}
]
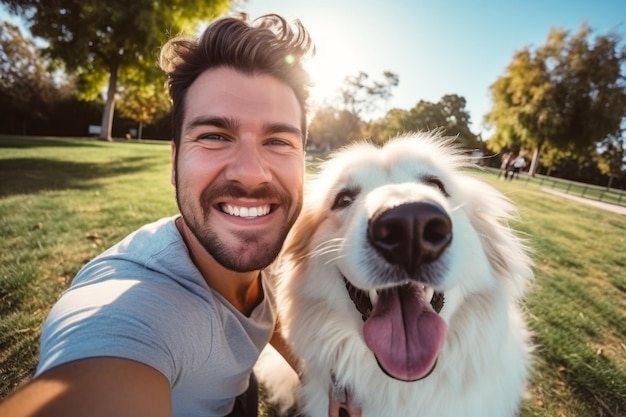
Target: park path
[{"x": 600, "y": 204}]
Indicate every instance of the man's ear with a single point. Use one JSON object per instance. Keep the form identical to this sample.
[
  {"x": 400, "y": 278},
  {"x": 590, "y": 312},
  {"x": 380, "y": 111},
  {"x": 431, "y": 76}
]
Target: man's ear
[{"x": 173, "y": 175}]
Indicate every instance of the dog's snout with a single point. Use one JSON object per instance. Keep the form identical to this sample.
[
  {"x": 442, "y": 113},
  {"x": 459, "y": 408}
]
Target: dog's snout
[{"x": 410, "y": 235}]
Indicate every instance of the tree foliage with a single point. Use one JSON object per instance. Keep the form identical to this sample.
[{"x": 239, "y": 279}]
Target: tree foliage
[
  {"x": 448, "y": 114},
  {"x": 611, "y": 156},
  {"x": 334, "y": 126},
  {"x": 143, "y": 100},
  {"x": 26, "y": 84},
  {"x": 102, "y": 40},
  {"x": 564, "y": 97},
  {"x": 360, "y": 95}
]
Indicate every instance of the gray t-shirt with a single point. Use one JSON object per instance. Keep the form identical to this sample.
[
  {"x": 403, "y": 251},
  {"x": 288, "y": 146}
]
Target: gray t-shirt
[{"x": 143, "y": 299}]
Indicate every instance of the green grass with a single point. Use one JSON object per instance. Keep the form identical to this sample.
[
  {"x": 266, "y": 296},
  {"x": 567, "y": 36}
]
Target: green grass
[
  {"x": 63, "y": 201},
  {"x": 577, "y": 306}
]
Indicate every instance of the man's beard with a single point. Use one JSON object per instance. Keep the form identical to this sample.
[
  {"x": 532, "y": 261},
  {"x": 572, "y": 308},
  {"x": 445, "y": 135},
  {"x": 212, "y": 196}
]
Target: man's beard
[{"x": 265, "y": 253}]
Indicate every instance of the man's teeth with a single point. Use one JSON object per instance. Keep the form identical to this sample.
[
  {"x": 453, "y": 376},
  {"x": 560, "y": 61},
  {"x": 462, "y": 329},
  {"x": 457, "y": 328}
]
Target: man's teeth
[{"x": 248, "y": 212}]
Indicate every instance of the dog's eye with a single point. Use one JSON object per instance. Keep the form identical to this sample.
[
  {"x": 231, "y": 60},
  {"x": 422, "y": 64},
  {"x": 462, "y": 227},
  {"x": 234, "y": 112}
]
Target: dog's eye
[
  {"x": 344, "y": 198},
  {"x": 436, "y": 182}
]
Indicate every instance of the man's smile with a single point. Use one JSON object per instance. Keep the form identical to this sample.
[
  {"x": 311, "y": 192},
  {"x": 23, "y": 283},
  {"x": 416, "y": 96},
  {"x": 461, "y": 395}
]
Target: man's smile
[{"x": 247, "y": 212}]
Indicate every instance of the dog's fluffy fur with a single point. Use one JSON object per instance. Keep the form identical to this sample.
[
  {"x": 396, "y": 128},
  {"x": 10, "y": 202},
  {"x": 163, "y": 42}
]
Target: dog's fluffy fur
[{"x": 477, "y": 347}]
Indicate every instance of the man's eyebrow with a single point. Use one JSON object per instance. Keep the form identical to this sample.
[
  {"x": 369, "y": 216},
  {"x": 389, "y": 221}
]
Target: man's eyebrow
[
  {"x": 271, "y": 128},
  {"x": 233, "y": 124},
  {"x": 217, "y": 121}
]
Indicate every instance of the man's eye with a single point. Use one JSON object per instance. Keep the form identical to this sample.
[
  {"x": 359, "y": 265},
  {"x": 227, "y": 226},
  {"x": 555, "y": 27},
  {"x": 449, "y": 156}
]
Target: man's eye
[
  {"x": 345, "y": 198},
  {"x": 278, "y": 142},
  {"x": 212, "y": 136}
]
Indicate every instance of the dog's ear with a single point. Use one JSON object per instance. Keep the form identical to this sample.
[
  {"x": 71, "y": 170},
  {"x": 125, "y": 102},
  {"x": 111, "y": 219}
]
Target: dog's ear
[{"x": 508, "y": 254}]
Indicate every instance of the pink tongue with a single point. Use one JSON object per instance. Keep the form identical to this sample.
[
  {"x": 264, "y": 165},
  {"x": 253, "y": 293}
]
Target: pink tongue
[{"x": 405, "y": 333}]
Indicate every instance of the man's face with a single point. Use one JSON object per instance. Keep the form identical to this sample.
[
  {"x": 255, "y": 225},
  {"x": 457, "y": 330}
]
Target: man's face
[{"x": 239, "y": 167}]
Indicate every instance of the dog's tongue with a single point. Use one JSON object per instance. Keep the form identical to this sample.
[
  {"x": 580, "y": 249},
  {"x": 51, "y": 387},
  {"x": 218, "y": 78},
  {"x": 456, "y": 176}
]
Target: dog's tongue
[{"x": 405, "y": 333}]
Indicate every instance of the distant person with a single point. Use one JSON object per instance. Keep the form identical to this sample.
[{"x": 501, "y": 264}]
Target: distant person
[
  {"x": 171, "y": 320},
  {"x": 506, "y": 159},
  {"x": 518, "y": 164}
]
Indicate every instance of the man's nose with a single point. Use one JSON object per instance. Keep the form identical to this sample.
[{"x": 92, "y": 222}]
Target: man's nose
[{"x": 249, "y": 167}]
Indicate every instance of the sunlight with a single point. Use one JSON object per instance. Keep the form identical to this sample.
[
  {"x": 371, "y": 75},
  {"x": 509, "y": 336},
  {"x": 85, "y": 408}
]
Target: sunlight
[
  {"x": 327, "y": 80},
  {"x": 332, "y": 63}
]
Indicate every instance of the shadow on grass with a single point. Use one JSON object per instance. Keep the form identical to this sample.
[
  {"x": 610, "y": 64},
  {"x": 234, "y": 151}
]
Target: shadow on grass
[
  {"x": 34, "y": 175},
  {"x": 16, "y": 142}
]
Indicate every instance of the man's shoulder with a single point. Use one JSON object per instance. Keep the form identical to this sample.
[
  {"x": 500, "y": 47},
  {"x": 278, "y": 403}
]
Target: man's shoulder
[
  {"x": 150, "y": 237},
  {"x": 151, "y": 320},
  {"x": 153, "y": 249}
]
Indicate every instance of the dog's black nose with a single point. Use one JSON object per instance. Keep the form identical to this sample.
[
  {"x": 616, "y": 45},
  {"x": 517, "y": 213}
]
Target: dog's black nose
[{"x": 410, "y": 235}]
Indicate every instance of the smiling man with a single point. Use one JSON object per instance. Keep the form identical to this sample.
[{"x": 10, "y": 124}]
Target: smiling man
[
  {"x": 170, "y": 321},
  {"x": 238, "y": 171}
]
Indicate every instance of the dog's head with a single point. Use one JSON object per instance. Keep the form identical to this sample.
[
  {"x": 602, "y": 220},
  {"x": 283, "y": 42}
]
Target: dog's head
[{"x": 398, "y": 229}]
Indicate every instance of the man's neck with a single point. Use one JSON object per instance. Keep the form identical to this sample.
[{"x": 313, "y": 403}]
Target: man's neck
[{"x": 242, "y": 289}]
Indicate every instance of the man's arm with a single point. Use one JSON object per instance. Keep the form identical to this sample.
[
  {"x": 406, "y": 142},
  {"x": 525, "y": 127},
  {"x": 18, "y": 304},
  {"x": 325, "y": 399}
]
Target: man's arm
[{"x": 96, "y": 387}]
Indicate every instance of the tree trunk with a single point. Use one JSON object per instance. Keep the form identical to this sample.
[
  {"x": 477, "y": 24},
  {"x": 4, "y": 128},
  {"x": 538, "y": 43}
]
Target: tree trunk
[
  {"x": 534, "y": 163},
  {"x": 109, "y": 106},
  {"x": 610, "y": 184},
  {"x": 139, "y": 130}
]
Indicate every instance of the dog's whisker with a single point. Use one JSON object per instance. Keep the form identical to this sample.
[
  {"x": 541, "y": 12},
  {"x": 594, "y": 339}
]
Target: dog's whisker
[
  {"x": 458, "y": 207},
  {"x": 323, "y": 252},
  {"x": 337, "y": 241},
  {"x": 318, "y": 253},
  {"x": 332, "y": 260},
  {"x": 326, "y": 247}
]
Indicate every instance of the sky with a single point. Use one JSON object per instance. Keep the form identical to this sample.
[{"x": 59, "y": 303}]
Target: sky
[{"x": 436, "y": 47}]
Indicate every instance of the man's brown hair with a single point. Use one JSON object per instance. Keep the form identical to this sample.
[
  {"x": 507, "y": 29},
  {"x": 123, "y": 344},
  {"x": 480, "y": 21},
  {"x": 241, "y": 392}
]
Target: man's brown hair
[{"x": 268, "y": 45}]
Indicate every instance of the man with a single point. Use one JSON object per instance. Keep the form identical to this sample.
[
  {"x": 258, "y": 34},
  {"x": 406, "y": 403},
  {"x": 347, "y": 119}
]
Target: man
[{"x": 170, "y": 321}]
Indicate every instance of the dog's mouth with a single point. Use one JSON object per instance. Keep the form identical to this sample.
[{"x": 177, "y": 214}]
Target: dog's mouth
[{"x": 402, "y": 327}]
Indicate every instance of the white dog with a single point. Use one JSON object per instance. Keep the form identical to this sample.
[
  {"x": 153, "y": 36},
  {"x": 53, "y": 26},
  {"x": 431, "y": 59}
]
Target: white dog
[{"x": 400, "y": 284}]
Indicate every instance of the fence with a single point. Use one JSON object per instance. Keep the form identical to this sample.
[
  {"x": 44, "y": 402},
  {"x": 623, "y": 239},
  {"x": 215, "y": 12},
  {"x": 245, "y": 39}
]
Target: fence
[{"x": 593, "y": 192}]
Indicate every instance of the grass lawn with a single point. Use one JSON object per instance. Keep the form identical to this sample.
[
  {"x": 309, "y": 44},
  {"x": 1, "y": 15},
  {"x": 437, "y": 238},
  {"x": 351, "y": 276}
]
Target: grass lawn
[
  {"x": 63, "y": 201},
  {"x": 577, "y": 307}
]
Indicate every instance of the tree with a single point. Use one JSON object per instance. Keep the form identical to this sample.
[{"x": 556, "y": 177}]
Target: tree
[
  {"x": 458, "y": 120},
  {"x": 567, "y": 95},
  {"x": 26, "y": 84},
  {"x": 611, "y": 156},
  {"x": 359, "y": 95},
  {"x": 143, "y": 101},
  {"x": 524, "y": 106},
  {"x": 102, "y": 40},
  {"x": 448, "y": 114},
  {"x": 331, "y": 128}
]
